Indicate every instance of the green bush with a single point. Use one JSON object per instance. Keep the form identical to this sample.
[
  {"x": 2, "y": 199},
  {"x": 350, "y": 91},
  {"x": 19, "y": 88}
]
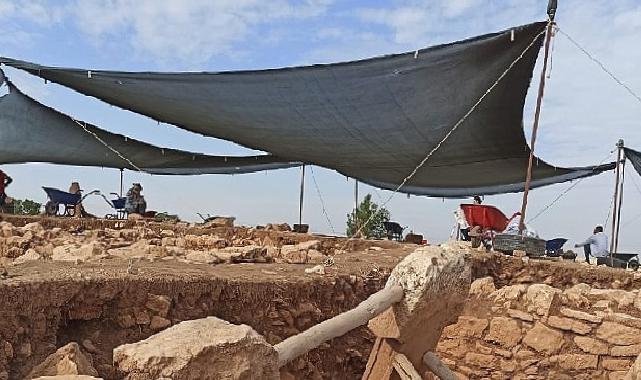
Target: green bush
[
  {"x": 369, "y": 212},
  {"x": 26, "y": 207}
]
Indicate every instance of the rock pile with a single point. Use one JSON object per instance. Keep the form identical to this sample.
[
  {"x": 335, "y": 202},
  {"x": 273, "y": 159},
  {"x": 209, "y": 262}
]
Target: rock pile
[{"x": 212, "y": 243}]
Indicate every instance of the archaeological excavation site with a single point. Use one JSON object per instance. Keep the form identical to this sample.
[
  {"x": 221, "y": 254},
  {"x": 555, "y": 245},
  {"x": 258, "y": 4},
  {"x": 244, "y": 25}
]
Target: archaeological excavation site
[{"x": 97, "y": 299}]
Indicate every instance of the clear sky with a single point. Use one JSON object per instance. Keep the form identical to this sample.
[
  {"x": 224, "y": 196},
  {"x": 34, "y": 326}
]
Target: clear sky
[{"x": 584, "y": 111}]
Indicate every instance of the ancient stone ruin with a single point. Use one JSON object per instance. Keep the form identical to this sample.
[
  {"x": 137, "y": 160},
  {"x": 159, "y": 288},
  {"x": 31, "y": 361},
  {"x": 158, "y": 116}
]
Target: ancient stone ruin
[{"x": 143, "y": 300}]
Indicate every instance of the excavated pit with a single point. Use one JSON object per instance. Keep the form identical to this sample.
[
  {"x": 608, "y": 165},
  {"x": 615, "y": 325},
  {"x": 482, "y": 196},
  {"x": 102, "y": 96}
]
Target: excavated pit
[{"x": 104, "y": 302}]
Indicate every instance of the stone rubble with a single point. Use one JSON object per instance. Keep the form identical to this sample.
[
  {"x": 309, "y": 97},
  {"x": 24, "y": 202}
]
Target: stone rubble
[{"x": 215, "y": 242}]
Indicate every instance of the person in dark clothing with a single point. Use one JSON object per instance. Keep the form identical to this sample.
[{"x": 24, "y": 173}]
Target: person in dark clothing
[
  {"x": 5, "y": 181},
  {"x": 135, "y": 202}
]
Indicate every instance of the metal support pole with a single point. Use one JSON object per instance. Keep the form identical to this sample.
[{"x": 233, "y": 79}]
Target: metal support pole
[
  {"x": 616, "y": 240},
  {"x": 617, "y": 199},
  {"x": 355, "y": 195},
  {"x": 528, "y": 178},
  {"x": 302, "y": 195},
  {"x": 121, "y": 178}
]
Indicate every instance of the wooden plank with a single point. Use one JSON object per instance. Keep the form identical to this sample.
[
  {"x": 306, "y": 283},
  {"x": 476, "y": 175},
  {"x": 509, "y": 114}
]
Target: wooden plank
[
  {"x": 385, "y": 325},
  {"x": 404, "y": 368},
  {"x": 379, "y": 365}
]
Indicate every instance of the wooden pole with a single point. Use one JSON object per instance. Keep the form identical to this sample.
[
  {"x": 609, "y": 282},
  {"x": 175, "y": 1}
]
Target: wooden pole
[
  {"x": 302, "y": 196},
  {"x": 615, "y": 206},
  {"x": 300, "y": 344},
  {"x": 537, "y": 114}
]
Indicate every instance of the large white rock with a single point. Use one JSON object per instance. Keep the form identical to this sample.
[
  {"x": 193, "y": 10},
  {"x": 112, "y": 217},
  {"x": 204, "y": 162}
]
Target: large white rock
[{"x": 208, "y": 348}]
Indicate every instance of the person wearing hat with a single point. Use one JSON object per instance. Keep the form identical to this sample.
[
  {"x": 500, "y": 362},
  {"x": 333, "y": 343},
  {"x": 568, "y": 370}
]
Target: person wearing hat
[
  {"x": 5, "y": 180},
  {"x": 596, "y": 245},
  {"x": 135, "y": 202}
]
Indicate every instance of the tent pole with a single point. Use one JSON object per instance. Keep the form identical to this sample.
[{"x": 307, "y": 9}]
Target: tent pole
[
  {"x": 121, "y": 177},
  {"x": 355, "y": 195},
  {"x": 616, "y": 208},
  {"x": 616, "y": 242},
  {"x": 302, "y": 195},
  {"x": 535, "y": 127}
]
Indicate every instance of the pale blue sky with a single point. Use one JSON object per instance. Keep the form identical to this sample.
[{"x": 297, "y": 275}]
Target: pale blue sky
[{"x": 583, "y": 116}]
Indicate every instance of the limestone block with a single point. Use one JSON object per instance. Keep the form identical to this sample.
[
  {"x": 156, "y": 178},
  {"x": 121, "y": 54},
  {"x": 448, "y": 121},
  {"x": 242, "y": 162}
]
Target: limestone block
[
  {"x": 518, "y": 314},
  {"x": 569, "y": 324},
  {"x": 621, "y": 297},
  {"x": 540, "y": 298},
  {"x": 504, "y": 331},
  {"x": 635, "y": 371},
  {"x": 578, "y": 362},
  {"x": 544, "y": 339},
  {"x": 580, "y": 315},
  {"x": 615, "y": 333},
  {"x": 435, "y": 283},
  {"x": 466, "y": 327},
  {"x": 67, "y": 360},
  {"x": 616, "y": 364},
  {"x": 631, "y": 350},
  {"x": 482, "y": 286},
  {"x": 30, "y": 255},
  {"x": 480, "y": 360},
  {"x": 202, "y": 257},
  {"x": 591, "y": 345},
  {"x": 508, "y": 293},
  {"x": 207, "y": 349}
]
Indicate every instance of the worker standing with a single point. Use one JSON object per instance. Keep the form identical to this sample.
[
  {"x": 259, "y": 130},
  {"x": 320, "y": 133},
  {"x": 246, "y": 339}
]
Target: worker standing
[{"x": 596, "y": 245}]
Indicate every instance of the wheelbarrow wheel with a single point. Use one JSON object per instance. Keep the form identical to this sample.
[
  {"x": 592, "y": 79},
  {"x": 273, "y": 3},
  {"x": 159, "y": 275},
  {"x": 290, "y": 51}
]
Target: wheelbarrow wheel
[
  {"x": 634, "y": 265},
  {"x": 70, "y": 210},
  {"x": 51, "y": 208}
]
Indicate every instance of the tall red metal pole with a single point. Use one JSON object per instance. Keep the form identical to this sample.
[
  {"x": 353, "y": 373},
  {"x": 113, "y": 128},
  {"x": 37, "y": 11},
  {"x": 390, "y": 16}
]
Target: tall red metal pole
[{"x": 539, "y": 99}]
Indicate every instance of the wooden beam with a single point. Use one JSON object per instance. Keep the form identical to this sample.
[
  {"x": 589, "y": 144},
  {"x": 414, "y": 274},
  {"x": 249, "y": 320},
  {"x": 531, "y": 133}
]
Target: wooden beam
[
  {"x": 404, "y": 368},
  {"x": 380, "y": 362},
  {"x": 300, "y": 344}
]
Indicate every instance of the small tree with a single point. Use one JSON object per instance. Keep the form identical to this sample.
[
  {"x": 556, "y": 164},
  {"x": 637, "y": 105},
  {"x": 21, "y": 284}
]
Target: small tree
[
  {"x": 367, "y": 212},
  {"x": 25, "y": 207}
]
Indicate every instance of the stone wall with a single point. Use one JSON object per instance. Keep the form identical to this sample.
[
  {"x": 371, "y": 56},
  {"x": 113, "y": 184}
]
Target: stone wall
[{"x": 538, "y": 331}]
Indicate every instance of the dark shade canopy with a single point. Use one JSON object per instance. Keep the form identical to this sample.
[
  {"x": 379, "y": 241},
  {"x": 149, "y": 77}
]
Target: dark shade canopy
[
  {"x": 634, "y": 157},
  {"x": 374, "y": 119},
  {"x": 32, "y": 132}
]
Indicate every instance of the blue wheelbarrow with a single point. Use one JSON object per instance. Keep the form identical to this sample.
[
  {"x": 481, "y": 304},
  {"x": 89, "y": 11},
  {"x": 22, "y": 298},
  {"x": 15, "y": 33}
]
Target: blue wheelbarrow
[
  {"x": 554, "y": 247},
  {"x": 118, "y": 204},
  {"x": 58, "y": 198}
]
